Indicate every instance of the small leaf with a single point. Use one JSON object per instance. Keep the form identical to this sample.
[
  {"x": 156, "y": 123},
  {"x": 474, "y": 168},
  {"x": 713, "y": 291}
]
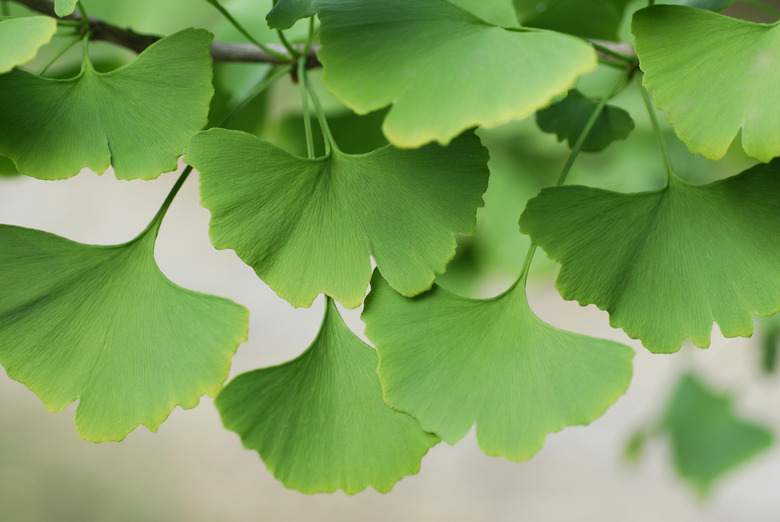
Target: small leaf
[
  {"x": 452, "y": 362},
  {"x": 309, "y": 226},
  {"x": 567, "y": 119},
  {"x": 20, "y": 39},
  {"x": 286, "y": 12},
  {"x": 666, "y": 264},
  {"x": 103, "y": 325},
  {"x": 319, "y": 421},
  {"x": 64, "y": 7},
  {"x": 585, "y": 18},
  {"x": 442, "y": 69},
  {"x": 139, "y": 118},
  {"x": 713, "y": 75},
  {"x": 708, "y": 438}
]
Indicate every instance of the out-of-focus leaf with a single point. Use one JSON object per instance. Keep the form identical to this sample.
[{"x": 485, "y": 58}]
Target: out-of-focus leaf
[
  {"x": 586, "y": 18},
  {"x": 20, "y": 39},
  {"x": 286, "y": 12},
  {"x": 64, "y": 7}
]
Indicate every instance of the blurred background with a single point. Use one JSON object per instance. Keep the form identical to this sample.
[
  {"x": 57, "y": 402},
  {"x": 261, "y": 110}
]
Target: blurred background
[{"x": 195, "y": 470}]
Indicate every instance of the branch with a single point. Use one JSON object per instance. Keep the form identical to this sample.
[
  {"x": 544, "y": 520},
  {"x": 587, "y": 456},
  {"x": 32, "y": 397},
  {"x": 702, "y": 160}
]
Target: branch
[{"x": 220, "y": 51}]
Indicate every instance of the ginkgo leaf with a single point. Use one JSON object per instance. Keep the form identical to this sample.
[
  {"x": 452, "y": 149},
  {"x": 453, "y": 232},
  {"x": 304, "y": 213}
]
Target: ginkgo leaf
[
  {"x": 713, "y": 75},
  {"x": 319, "y": 422},
  {"x": 64, "y": 7},
  {"x": 286, "y": 12},
  {"x": 708, "y": 438},
  {"x": 585, "y": 18},
  {"x": 710, "y": 5},
  {"x": 442, "y": 69},
  {"x": 103, "y": 325},
  {"x": 138, "y": 118},
  {"x": 452, "y": 362},
  {"x": 20, "y": 39},
  {"x": 567, "y": 119},
  {"x": 309, "y": 226},
  {"x": 666, "y": 264}
]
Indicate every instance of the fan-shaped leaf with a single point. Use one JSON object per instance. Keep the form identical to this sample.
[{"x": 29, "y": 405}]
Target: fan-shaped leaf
[
  {"x": 585, "y": 18},
  {"x": 20, "y": 39},
  {"x": 452, "y": 362},
  {"x": 567, "y": 119},
  {"x": 319, "y": 421},
  {"x": 666, "y": 264},
  {"x": 139, "y": 118},
  {"x": 442, "y": 69},
  {"x": 286, "y": 12},
  {"x": 713, "y": 75},
  {"x": 309, "y": 226},
  {"x": 103, "y": 325},
  {"x": 64, "y": 7}
]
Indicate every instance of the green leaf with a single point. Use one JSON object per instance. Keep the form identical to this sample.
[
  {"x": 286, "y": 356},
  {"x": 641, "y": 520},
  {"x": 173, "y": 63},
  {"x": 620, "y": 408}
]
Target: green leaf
[
  {"x": 708, "y": 438},
  {"x": 286, "y": 12},
  {"x": 452, "y": 362},
  {"x": 710, "y": 5},
  {"x": 442, "y": 69},
  {"x": 496, "y": 12},
  {"x": 64, "y": 7},
  {"x": 319, "y": 421},
  {"x": 567, "y": 119},
  {"x": 309, "y": 226},
  {"x": 138, "y": 118},
  {"x": 713, "y": 75},
  {"x": 666, "y": 264},
  {"x": 103, "y": 325},
  {"x": 20, "y": 39},
  {"x": 586, "y": 18}
]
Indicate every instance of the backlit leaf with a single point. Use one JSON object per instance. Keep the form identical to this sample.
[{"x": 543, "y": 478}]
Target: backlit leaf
[
  {"x": 586, "y": 18},
  {"x": 714, "y": 76},
  {"x": 64, "y": 7},
  {"x": 138, "y": 118},
  {"x": 453, "y": 362},
  {"x": 20, "y": 39},
  {"x": 286, "y": 12},
  {"x": 103, "y": 325},
  {"x": 442, "y": 69},
  {"x": 319, "y": 421},
  {"x": 309, "y": 226},
  {"x": 666, "y": 264},
  {"x": 567, "y": 119}
]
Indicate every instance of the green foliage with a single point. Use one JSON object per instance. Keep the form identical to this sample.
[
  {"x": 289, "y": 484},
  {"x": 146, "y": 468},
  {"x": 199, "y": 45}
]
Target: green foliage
[
  {"x": 301, "y": 417},
  {"x": 310, "y": 193}
]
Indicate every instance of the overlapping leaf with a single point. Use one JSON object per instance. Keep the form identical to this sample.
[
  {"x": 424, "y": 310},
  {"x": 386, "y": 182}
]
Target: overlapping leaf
[
  {"x": 585, "y": 18},
  {"x": 666, "y": 264},
  {"x": 139, "y": 118},
  {"x": 286, "y": 12},
  {"x": 567, "y": 119},
  {"x": 103, "y": 325},
  {"x": 20, "y": 39},
  {"x": 64, "y": 7},
  {"x": 309, "y": 226},
  {"x": 452, "y": 362},
  {"x": 708, "y": 438},
  {"x": 714, "y": 76},
  {"x": 442, "y": 69},
  {"x": 319, "y": 421}
]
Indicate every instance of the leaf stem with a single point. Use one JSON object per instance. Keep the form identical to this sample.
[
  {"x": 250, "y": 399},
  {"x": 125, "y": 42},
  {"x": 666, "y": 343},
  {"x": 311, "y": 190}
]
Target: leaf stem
[
  {"x": 575, "y": 151},
  {"x": 224, "y": 12},
  {"x": 287, "y": 45},
  {"x": 158, "y": 218},
  {"x": 658, "y": 134},
  {"x": 56, "y": 56},
  {"x": 609, "y": 52},
  {"x": 764, "y": 7},
  {"x": 305, "y": 104},
  {"x": 329, "y": 141},
  {"x": 275, "y": 74},
  {"x": 84, "y": 17}
]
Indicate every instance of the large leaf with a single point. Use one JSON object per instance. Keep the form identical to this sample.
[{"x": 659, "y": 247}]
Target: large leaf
[
  {"x": 713, "y": 75},
  {"x": 442, "y": 69},
  {"x": 567, "y": 119},
  {"x": 708, "y": 439},
  {"x": 64, "y": 7},
  {"x": 103, "y": 325},
  {"x": 139, "y": 118},
  {"x": 319, "y": 421},
  {"x": 309, "y": 226},
  {"x": 585, "y": 18},
  {"x": 666, "y": 264},
  {"x": 286, "y": 12},
  {"x": 20, "y": 39},
  {"x": 452, "y": 362}
]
